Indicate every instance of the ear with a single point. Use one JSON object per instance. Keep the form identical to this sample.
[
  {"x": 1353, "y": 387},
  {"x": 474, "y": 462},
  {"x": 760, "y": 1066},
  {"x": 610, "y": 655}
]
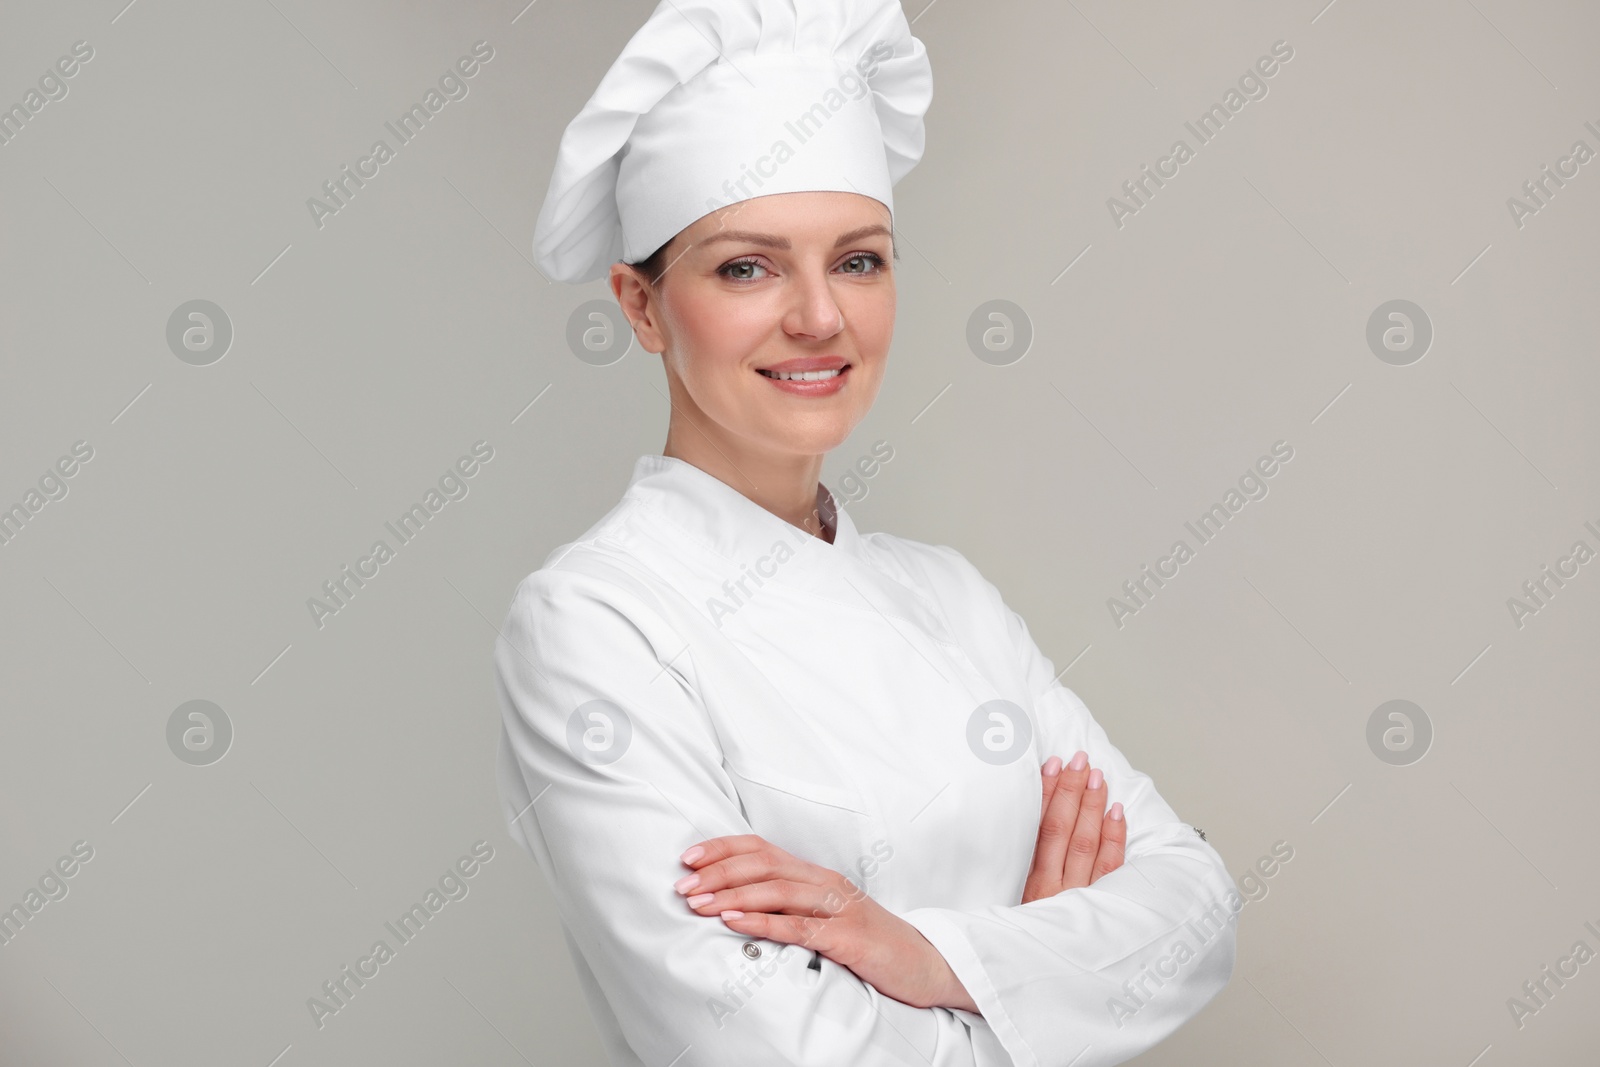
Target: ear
[{"x": 638, "y": 303}]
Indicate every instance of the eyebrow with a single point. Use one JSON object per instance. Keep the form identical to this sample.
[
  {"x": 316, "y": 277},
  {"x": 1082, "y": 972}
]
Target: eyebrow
[{"x": 767, "y": 240}]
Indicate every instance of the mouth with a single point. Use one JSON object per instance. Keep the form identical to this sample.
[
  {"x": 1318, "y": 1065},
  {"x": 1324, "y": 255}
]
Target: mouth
[
  {"x": 804, "y": 376},
  {"x": 818, "y": 382}
]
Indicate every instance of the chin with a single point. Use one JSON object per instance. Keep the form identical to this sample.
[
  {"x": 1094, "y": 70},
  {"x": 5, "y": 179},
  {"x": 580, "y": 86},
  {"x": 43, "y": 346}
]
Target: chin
[
  {"x": 811, "y": 443},
  {"x": 812, "y": 433}
]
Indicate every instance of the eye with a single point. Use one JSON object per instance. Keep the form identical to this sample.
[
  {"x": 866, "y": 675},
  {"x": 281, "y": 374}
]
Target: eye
[
  {"x": 727, "y": 269},
  {"x": 872, "y": 259}
]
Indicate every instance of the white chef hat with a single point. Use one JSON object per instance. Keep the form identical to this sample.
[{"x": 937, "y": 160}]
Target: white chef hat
[{"x": 716, "y": 101}]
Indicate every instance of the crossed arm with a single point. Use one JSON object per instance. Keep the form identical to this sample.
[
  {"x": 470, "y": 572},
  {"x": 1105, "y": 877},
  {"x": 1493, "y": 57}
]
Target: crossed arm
[{"x": 759, "y": 890}]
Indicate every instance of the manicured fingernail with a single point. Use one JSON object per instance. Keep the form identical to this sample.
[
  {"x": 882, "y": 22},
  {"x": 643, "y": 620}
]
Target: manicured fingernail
[
  {"x": 733, "y": 915},
  {"x": 1052, "y": 766},
  {"x": 686, "y": 883},
  {"x": 693, "y": 854},
  {"x": 700, "y": 900},
  {"x": 1079, "y": 761},
  {"x": 1115, "y": 814},
  {"x": 1095, "y": 778}
]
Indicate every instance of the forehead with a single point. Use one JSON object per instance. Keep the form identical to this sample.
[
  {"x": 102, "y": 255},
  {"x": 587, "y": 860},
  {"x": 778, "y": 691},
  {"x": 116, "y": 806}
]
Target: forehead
[{"x": 808, "y": 217}]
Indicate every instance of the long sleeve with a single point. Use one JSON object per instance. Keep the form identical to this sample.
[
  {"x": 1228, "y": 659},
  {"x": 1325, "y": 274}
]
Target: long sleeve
[
  {"x": 611, "y": 767},
  {"x": 1093, "y": 975}
]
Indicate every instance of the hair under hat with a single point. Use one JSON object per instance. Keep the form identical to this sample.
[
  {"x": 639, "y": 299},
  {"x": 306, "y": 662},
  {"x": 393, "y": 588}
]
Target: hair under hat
[{"x": 713, "y": 102}]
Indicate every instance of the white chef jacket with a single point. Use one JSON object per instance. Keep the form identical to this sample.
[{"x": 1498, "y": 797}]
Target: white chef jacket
[{"x": 694, "y": 666}]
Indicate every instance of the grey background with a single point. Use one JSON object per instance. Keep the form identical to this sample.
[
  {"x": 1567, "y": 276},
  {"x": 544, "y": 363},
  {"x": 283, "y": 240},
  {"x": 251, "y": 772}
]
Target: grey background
[{"x": 369, "y": 354}]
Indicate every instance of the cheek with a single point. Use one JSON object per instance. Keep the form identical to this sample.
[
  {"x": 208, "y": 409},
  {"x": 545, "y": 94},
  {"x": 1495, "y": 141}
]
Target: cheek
[
  {"x": 873, "y": 319},
  {"x": 873, "y": 349},
  {"x": 710, "y": 342},
  {"x": 716, "y": 357},
  {"x": 692, "y": 327},
  {"x": 876, "y": 339}
]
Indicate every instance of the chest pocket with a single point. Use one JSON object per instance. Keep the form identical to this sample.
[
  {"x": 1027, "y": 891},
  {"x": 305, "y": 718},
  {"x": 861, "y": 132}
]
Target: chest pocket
[{"x": 816, "y": 822}]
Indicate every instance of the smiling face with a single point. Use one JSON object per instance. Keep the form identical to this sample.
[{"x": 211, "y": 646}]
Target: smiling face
[{"x": 792, "y": 283}]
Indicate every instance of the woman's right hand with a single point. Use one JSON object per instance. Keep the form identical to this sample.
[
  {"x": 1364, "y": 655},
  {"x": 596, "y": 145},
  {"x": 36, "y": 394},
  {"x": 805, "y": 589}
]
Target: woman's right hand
[{"x": 1079, "y": 840}]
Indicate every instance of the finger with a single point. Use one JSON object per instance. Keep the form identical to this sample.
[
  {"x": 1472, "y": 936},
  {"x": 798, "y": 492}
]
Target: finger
[
  {"x": 776, "y": 897},
  {"x": 747, "y": 868},
  {"x": 1055, "y": 829},
  {"x": 719, "y": 848},
  {"x": 803, "y": 930},
  {"x": 1085, "y": 843},
  {"x": 734, "y": 859},
  {"x": 1113, "y": 842},
  {"x": 1050, "y": 773}
]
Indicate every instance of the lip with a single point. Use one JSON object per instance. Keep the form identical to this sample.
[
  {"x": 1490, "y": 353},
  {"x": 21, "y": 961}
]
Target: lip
[
  {"x": 805, "y": 363},
  {"x": 826, "y": 387}
]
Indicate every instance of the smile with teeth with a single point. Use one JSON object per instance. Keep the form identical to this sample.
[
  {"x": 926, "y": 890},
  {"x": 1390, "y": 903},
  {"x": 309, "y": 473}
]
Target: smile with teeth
[{"x": 803, "y": 376}]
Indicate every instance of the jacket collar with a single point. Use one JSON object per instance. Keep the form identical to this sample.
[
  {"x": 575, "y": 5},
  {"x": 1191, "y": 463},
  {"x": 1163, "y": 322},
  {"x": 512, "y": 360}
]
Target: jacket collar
[
  {"x": 724, "y": 520},
  {"x": 739, "y": 536}
]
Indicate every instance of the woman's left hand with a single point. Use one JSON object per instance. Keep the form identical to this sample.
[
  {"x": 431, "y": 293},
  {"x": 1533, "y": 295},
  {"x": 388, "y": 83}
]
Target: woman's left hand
[{"x": 760, "y": 890}]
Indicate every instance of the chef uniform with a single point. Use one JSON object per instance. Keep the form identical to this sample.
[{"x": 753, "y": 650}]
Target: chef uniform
[{"x": 694, "y": 666}]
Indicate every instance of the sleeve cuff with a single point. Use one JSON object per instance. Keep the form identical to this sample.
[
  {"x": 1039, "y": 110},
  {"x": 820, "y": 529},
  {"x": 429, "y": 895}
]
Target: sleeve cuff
[{"x": 958, "y": 952}]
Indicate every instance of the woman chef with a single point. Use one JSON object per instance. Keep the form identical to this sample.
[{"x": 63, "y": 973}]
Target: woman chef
[{"x": 807, "y": 795}]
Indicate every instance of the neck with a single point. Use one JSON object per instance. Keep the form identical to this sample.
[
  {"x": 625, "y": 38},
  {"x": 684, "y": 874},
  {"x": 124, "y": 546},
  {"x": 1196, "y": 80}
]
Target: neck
[{"x": 783, "y": 483}]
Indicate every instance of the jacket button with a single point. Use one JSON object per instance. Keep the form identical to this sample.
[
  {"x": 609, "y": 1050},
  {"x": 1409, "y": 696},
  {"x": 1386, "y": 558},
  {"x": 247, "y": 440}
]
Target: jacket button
[{"x": 752, "y": 950}]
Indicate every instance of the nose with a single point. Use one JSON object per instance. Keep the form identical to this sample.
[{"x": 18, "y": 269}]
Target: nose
[{"x": 813, "y": 314}]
